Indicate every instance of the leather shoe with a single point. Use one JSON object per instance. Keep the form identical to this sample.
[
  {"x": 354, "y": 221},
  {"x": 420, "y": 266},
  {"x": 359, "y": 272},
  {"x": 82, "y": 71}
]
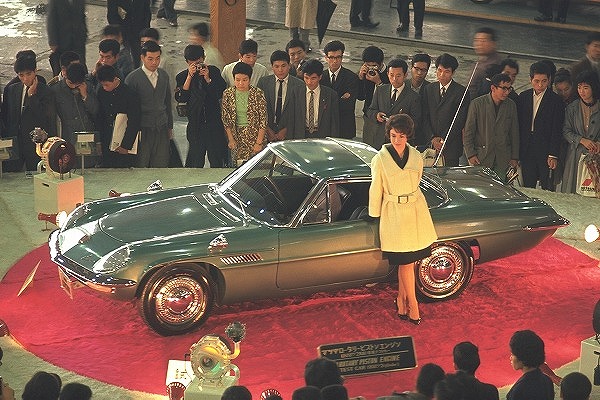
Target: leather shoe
[
  {"x": 418, "y": 34},
  {"x": 543, "y": 18},
  {"x": 355, "y": 23},
  {"x": 402, "y": 28},
  {"x": 560, "y": 20},
  {"x": 370, "y": 24}
]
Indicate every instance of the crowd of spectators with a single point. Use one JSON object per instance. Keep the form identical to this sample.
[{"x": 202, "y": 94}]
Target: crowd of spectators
[
  {"x": 324, "y": 381},
  {"x": 480, "y": 122}
]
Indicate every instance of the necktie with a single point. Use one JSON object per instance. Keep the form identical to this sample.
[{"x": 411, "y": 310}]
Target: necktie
[
  {"x": 153, "y": 79},
  {"x": 332, "y": 79},
  {"x": 279, "y": 103},
  {"x": 311, "y": 112},
  {"x": 443, "y": 91},
  {"x": 393, "y": 99}
]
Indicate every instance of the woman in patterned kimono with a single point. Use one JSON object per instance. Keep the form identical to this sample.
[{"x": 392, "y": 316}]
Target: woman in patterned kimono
[
  {"x": 406, "y": 229},
  {"x": 244, "y": 115}
]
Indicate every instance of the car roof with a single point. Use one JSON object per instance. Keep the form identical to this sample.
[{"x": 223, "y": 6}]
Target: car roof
[{"x": 328, "y": 157}]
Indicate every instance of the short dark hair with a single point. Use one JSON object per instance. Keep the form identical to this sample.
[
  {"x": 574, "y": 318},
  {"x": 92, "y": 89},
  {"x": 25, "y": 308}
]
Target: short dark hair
[
  {"x": 402, "y": 123},
  {"x": 236, "y": 393},
  {"x": 150, "y": 47},
  {"x": 592, "y": 37},
  {"x": 25, "y": 63},
  {"x": 466, "y": 357},
  {"x": 279, "y": 55},
  {"x": 421, "y": 57},
  {"x": 334, "y": 45},
  {"x": 498, "y": 79},
  {"x": 41, "y": 386},
  {"x": 449, "y": 388},
  {"x": 68, "y": 57},
  {"x": 509, "y": 62},
  {"x": 295, "y": 43},
  {"x": 248, "y": 46},
  {"x": 242, "y": 68},
  {"x": 528, "y": 347},
  {"x": 151, "y": 33},
  {"x": 321, "y": 372},
  {"x": 334, "y": 392},
  {"x": 193, "y": 52},
  {"x": 307, "y": 393},
  {"x": 398, "y": 63},
  {"x": 488, "y": 31},
  {"x": 429, "y": 375},
  {"x": 76, "y": 72},
  {"x": 563, "y": 75},
  {"x": 591, "y": 78},
  {"x": 25, "y": 53},
  {"x": 106, "y": 73},
  {"x": 447, "y": 60},
  {"x": 75, "y": 391},
  {"x": 112, "y": 30},
  {"x": 109, "y": 45},
  {"x": 313, "y": 66},
  {"x": 540, "y": 67},
  {"x": 372, "y": 54},
  {"x": 201, "y": 29},
  {"x": 575, "y": 386}
]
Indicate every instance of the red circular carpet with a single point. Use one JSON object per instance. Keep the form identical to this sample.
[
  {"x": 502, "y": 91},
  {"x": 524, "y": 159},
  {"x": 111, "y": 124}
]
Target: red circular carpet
[{"x": 551, "y": 289}]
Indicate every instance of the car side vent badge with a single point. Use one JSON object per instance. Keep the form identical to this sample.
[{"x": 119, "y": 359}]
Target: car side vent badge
[
  {"x": 241, "y": 259},
  {"x": 218, "y": 244}
]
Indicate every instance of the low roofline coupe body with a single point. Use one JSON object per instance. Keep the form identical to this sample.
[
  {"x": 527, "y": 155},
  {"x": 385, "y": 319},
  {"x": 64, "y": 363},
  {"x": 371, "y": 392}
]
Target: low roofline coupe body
[{"x": 289, "y": 221}]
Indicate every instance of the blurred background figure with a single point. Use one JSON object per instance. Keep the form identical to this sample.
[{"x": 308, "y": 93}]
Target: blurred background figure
[
  {"x": 300, "y": 17},
  {"x": 67, "y": 30}
]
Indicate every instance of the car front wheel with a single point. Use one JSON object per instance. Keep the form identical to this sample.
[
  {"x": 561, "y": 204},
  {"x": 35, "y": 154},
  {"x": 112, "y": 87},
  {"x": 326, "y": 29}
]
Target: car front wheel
[
  {"x": 445, "y": 274},
  {"x": 177, "y": 300}
]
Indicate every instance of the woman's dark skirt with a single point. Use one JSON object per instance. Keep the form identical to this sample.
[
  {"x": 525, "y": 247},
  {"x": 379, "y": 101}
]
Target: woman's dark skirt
[{"x": 406, "y": 257}]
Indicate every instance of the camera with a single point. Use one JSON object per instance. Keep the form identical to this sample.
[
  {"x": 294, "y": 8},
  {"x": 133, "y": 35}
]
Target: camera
[
  {"x": 200, "y": 65},
  {"x": 372, "y": 71}
]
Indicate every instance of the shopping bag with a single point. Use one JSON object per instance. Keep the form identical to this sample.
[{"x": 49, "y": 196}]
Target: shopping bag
[
  {"x": 587, "y": 175},
  {"x": 119, "y": 132},
  {"x": 429, "y": 156}
]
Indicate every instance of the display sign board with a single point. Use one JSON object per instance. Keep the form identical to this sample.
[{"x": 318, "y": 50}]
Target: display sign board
[
  {"x": 8, "y": 149},
  {"x": 372, "y": 356}
]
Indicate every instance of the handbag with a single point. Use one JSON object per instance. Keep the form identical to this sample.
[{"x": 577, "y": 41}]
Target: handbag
[
  {"x": 182, "y": 109},
  {"x": 429, "y": 156},
  {"x": 588, "y": 184}
]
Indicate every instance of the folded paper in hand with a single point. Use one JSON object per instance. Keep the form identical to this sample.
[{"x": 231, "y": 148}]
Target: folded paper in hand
[{"x": 119, "y": 132}]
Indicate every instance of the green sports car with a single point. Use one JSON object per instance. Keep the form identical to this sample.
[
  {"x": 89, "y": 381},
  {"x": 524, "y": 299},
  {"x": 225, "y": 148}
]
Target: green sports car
[{"x": 289, "y": 221}]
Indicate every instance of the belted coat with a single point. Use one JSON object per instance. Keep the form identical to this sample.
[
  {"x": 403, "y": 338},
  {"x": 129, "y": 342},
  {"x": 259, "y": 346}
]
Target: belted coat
[{"x": 394, "y": 195}]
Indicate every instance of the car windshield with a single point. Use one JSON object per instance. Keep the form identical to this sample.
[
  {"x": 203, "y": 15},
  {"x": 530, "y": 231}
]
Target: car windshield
[{"x": 267, "y": 188}]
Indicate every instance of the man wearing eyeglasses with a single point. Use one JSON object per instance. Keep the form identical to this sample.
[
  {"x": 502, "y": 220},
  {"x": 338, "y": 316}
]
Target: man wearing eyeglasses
[
  {"x": 491, "y": 135},
  {"x": 345, "y": 83},
  {"x": 418, "y": 72}
]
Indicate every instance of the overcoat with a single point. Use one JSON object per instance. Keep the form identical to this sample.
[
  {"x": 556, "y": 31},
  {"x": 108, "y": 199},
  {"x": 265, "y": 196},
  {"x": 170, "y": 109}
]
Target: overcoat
[
  {"x": 301, "y": 13},
  {"x": 573, "y": 132},
  {"x": 394, "y": 196}
]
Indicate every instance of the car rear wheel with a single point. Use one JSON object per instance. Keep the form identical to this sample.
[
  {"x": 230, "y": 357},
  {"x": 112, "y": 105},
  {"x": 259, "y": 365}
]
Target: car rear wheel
[
  {"x": 177, "y": 300},
  {"x": 445, "y": 274}
]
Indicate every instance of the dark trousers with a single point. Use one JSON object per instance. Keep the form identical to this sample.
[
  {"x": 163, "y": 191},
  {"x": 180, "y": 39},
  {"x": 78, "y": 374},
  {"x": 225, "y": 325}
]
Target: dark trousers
[
  {"x": 534, "y": 167},
  {"x": 362, "y": 8},
  {"x": 153, "y": 148},
  {"x": 404, "y": 15},
  {"x": 206, "y": 138},
  {"x": 54, "y": 58},
  {"x": 545, "y": 7},
  {"x": 167, "y": 9}
]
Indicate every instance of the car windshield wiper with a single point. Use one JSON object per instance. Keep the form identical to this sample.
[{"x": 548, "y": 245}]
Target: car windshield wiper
[{"x": 237, "y": 197}]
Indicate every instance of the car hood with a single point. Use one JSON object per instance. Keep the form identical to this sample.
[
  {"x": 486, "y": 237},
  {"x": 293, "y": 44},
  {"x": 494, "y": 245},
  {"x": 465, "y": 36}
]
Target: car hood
[{"x": 161, "y": 218}]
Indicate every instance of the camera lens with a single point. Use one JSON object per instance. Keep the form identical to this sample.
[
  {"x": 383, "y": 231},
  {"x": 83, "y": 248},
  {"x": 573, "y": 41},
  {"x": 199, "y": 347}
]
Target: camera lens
[{"x": 372, "y": 72}]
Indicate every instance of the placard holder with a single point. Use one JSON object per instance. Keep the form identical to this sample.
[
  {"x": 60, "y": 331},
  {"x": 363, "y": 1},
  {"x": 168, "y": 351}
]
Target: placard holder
[
  {"x": 7, "y": 151},
  {"x": 85, "y": 146}
]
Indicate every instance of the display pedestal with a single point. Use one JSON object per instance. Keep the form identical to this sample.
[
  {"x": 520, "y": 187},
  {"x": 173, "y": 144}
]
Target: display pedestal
[
  {"x": 181, "y": 371},
  {"x": 589, "y": 360},
  {"x": 52, "y": 194}
]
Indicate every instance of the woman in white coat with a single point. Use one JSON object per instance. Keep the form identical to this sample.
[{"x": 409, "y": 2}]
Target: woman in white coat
[
  {"x": 301, "y": 17},
  {"x": 406, "y": 229}
]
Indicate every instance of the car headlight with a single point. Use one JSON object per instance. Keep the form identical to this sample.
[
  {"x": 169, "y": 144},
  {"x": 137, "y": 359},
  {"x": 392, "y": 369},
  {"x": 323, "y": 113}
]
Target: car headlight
[
  {"x": 70, "y": 238},
  {"x": 112, "y": 261},
  {"x": 74, "y": 216}
]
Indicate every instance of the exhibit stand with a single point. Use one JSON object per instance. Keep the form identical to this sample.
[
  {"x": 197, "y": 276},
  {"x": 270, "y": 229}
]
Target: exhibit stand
[
  {"x": 53, "y": 194},
  {"x": 589, "y": 360}
]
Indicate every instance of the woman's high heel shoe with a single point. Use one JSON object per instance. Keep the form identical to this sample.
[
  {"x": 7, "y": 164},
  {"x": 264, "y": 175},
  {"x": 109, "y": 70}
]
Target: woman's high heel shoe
[
  {"x": 403, "y": 317},
  {"x": 414, "y": 321}
]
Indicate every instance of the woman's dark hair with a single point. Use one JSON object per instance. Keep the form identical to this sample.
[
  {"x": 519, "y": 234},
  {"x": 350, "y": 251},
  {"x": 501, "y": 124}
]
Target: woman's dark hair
[
  {"x": 591, "y": 78},
  {"x": 528, "y": 347},
  {"x": 41, "y": 386},
  {"x": 321, "y": 372},
  {"x": 75, "y": 391},
  {"x": 429, "y": 375},
  {"x": 242, "y": 68},
  {"x": 402, "y": 123}
]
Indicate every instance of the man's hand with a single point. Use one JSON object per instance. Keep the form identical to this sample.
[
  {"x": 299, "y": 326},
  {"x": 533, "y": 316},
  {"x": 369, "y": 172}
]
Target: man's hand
[
  {"x": 33, "y": 88},
  {"x": 170, "y": 133},
  {"x": 345, "y": 96},
  {"x": 437, "y": 143},
  {"x": 271, "y": 135},
  {"x": 121, "y": 150},
  {"x": 7, "y": 392},
  {"x": 514, "y": 163},
  {"x": 83, "y": 90},
  {"x": 552, "y": 162},
  {"x": 474, "y": 160},
  {"x": 381, "y": 117}
]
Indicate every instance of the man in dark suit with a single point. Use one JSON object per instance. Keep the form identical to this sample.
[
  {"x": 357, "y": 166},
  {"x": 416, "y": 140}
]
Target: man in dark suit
[
  {"x": 318, "y": 104},
  {"x": 27, "y": 104},
  {"x": 441, "y": 101},
  {"x": 466, "y": 362},
  {"x": 67, "y": 30},
  {"x": 541, "y": 117},
  {"x": 591, "y": 60},
  {"x": 281, "y": 92},
  {"x": 389, "y": 99},
  {"x": 345, "y": 83},
  {"x": 133, "y": 16},
  {"x": 420, "y": 64}
]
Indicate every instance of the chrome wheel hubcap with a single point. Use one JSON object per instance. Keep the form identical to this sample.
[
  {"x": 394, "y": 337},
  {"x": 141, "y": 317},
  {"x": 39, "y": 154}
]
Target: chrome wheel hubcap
[{"x": 180, "y": 300}]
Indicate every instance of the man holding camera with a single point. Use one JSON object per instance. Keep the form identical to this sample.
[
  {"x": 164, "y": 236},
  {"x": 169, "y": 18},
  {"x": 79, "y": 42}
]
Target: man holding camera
[
  {"x": 200, "y": 87},
  {"x": 372, "y": 73}
]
